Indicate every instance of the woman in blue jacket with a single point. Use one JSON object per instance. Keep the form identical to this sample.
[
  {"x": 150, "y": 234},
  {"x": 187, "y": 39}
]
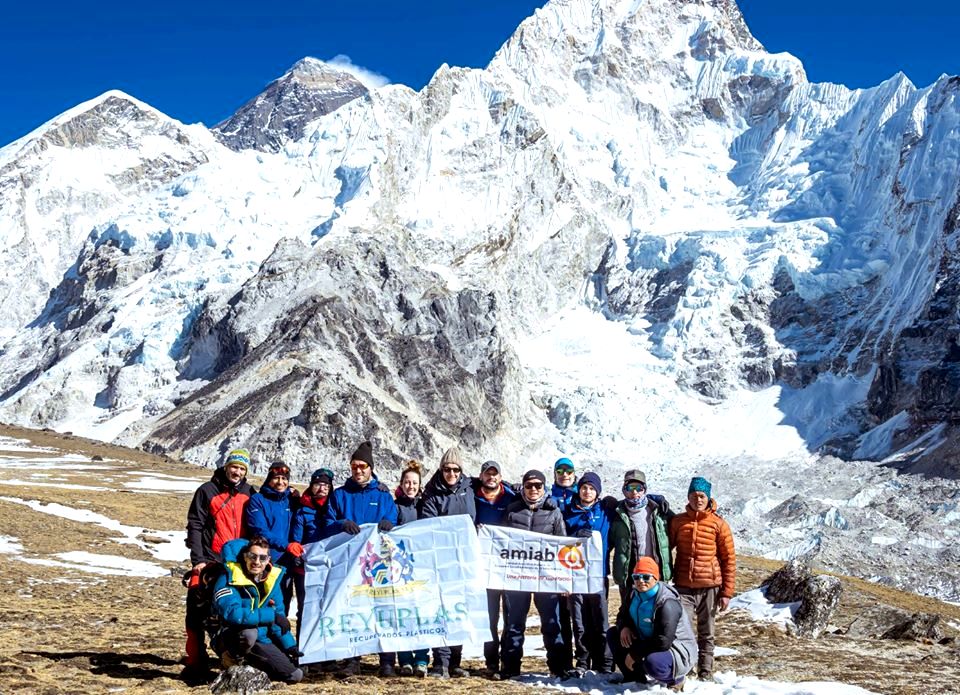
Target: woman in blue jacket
[
  {"x": 270, "y": 514},
  {"x": 583, "y": 515},
  {"x": 249, "y": 603}
]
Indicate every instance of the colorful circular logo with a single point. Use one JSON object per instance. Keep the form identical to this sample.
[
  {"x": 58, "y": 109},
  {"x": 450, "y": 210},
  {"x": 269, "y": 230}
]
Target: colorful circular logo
[{"x": 571, "y": 557}]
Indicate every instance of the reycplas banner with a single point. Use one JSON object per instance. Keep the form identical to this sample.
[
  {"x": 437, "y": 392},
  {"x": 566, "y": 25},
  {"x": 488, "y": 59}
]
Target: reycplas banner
[
  {"x": 519, "y": 560},
  {"x": 417, "y": 586}
]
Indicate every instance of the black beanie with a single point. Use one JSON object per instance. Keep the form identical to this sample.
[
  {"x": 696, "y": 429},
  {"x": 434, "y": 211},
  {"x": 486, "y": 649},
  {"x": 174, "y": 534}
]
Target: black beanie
[
  {"x": 534, "y": 474},
  {"x": 363, "y": 453}
]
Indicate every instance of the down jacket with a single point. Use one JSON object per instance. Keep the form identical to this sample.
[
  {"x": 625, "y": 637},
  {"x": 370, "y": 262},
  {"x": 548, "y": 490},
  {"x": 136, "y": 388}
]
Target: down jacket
[
  {"x": 239, "y": 603},
  {"x": 440, "y": 499},
  {"x": 216, "y": 516},
  {"x": 547, "y": 518},
  {"x": 672, "y": 630},
  {"x": 705, "y": 554}
]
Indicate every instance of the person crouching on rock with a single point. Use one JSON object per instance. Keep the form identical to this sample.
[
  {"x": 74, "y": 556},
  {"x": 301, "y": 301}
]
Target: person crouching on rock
[
  {"x": 653, "y": 638},
  {"x": 248, "y": 600}
]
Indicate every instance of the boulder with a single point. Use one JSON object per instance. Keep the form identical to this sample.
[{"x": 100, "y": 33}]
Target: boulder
[
  {"x": 241, "y": 680},
  {"x": 818, "y": 596},
  {"x": 920, "y": 627}
]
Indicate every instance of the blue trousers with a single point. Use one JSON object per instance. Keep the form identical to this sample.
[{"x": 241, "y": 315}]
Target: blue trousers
[
  {"x": 657, "y": 666},
  {"x": 548, "y": 606}
]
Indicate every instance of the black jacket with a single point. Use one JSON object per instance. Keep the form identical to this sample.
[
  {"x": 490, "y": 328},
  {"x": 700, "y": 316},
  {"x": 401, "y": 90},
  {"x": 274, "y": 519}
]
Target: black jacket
[
  {"x": 440, "y": 499},
  {"x": 547, "y": 518},
  {"x": 408, "y": 508}
]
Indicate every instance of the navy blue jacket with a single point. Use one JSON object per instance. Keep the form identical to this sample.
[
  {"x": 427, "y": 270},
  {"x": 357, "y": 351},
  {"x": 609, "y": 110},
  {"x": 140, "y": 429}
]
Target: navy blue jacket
[
  {"x": 495, "y": 512},
  {"x": 308, "y": 522},
  {"x": 408, "y": 508},
  {"x": 593, "y": 518},
  {"x": 270, "y": 514},
  {"x": 367, "y": 504},
  {"x": 240, "y": 604}
]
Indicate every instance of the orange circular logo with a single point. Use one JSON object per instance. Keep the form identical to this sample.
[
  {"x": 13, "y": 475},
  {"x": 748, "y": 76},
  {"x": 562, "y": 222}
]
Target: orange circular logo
[{"x": 571, "y": 557}]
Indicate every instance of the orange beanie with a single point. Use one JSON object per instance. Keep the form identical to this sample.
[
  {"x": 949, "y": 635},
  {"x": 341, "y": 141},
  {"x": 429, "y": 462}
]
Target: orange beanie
[{"x": 647, "y": 565}]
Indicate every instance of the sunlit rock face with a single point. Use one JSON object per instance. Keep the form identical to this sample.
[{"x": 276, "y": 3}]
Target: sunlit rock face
[{"x": 631, "y": 235}]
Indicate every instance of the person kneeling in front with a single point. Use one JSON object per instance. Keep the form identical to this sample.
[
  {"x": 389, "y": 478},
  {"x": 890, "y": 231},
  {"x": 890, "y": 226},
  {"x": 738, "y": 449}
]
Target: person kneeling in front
[
  {"x": 653, "y": 638},
  {"x": 248, "y": 600}
]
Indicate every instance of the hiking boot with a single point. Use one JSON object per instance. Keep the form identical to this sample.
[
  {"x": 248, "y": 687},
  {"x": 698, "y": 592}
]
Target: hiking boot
[
  {"x": 406, "y": 670},
  {"x": 420, "y": 670},
  {"x": 350, "y": 668},
  {"x": 486, "y": 672},
  {"x": 386, "y": 671},
  {"x": 705, "y": 675},
  {"x": 574, "y": 673},
  {"x": 458, "y": 672},
  {"x": 196, "y": 675},
  {"x": 678, "y": 686},
  {"x": 439, "y": 672}
]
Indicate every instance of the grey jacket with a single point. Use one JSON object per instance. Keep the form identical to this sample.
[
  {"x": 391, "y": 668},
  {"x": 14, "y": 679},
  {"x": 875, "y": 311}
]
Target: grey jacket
[
  {"x": 672, "y": 629},
  {"x": 546, "y": 519},
  {"x": 440, "y": 499}
]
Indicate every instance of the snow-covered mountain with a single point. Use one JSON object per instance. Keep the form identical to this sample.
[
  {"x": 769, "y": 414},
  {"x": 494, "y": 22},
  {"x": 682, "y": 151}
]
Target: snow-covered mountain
[{"x": 631, "y": 236}]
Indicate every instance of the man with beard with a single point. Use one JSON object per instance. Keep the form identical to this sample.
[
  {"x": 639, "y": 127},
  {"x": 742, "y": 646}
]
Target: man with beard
[
  {"x": 216, "y": 516},
  {"x": 361, "y": 500},
  {"x": 535, "y": 511},
  {"x": 492, "y": 497},
  {"x": 639, "y": 528},
  {"x": 448, "y": 493}
]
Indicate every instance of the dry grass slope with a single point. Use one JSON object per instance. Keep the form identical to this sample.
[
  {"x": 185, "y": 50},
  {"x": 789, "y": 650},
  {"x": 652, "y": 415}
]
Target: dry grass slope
[{"x": 70, "y": 631}]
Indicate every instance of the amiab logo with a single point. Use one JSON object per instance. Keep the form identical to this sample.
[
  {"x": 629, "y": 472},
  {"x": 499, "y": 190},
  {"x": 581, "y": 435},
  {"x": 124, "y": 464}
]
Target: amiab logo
[
  {"x": 571, "y": 557},
  {"x": 387, "y": 571}
]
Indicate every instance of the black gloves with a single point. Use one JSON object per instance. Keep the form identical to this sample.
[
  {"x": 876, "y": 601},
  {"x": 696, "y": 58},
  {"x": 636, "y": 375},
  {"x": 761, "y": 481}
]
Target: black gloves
[
  {"x": 609, "y": 503},
  {"x": 282, "y": 621},
  {"x": 294, "y": 655},
  {"x": 385, "y": 525},
  {"x": 350, "y": 527},
  {"x": 584, "y": 533}
]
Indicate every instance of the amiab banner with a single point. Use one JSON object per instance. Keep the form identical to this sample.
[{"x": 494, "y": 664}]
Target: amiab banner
[
  {"x": 417, "y": 586},
  {"x": 518, "y": 560}
]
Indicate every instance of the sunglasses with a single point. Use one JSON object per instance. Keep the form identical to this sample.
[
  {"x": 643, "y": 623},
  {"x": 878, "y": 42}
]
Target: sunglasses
[
  {"x": 450, "y": 469},
  {"x": 564, "y": 470},
  {"x": 634, "y": 487},
  {"x": 532, "y": 486},
  {"x": 359, "y": 466},
  {"x": 642, "y": 578},
  {"x": 259, "y": 558}
]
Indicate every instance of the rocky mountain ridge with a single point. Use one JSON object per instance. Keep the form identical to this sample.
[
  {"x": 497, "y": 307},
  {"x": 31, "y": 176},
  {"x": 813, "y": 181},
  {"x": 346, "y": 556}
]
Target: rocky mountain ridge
[{"x": 456, "y": 265}]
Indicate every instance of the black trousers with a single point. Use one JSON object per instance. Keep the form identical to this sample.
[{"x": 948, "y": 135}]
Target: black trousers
[
  {"x": 496, "y": 604},
  {"x": 588, "y": 614},
  {"x": 267, "y": 657}
]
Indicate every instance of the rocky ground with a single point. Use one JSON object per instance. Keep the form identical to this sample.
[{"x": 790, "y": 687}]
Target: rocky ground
[{"x": 65, "y": 629}]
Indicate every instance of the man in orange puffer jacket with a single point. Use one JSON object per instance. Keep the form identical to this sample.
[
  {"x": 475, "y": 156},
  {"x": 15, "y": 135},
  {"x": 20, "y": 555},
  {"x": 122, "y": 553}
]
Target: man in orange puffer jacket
[{"x": 705, "y": 568}]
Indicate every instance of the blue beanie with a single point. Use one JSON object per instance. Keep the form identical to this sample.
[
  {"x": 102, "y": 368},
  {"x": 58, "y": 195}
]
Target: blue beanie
[
  {"x": 593, "y": 479},
  {"x": 699, "y": 484},
  {"x": 563, "y": 462}
]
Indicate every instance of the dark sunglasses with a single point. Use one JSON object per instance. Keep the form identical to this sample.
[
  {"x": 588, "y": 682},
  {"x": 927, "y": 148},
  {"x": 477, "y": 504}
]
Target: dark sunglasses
[
  {"x": 634, "y": 487},
  {"x": 565, "y": 470},
  {"x": 257, "y": 556},
  {"x": 450, "y": 469},
  {"x": 642, "y": 578},
  {"x": 532, "y": 486}
]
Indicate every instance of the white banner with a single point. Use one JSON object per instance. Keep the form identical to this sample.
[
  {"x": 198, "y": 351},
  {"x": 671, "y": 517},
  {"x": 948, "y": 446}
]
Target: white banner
[
  {"x": 414, "y": 587},
  {"x": 519, "y": 560}
]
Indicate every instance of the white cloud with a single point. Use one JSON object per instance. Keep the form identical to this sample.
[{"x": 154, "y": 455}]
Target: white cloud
[{"x": 369, "y": 78}]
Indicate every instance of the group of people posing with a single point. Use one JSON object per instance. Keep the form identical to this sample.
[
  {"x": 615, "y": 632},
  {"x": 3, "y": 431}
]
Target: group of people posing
[{"x": 671, "y": 570}]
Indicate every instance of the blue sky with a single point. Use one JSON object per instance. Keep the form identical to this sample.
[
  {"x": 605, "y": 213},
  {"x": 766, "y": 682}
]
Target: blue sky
[{"x": 199, "y": 60}]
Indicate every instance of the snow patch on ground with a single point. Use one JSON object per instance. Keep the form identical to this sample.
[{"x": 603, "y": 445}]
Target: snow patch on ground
[
  {"x": 114, "y": 565},
  {"x": 760, "y": 609}
]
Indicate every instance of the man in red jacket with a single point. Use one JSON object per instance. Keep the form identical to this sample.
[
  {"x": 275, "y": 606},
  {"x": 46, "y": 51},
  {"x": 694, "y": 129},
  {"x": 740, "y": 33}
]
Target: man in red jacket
[{"x": 216, "y": 516}]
